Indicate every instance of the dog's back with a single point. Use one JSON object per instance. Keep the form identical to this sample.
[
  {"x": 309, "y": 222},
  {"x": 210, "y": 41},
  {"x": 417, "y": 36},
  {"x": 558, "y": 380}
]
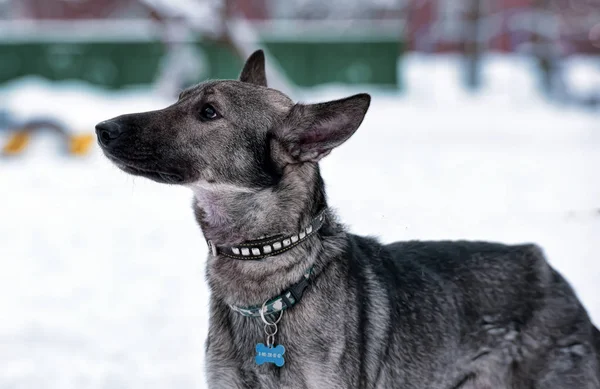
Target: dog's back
[{"x": 515, "y": 321}]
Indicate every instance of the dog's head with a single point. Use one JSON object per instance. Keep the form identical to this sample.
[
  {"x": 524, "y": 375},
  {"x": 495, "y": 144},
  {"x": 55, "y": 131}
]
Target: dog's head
[{"x": 229, "y": 132}]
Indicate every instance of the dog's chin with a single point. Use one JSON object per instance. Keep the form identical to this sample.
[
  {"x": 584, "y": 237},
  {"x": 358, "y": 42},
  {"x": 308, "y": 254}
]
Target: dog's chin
[
  {"x": 157, "y": 176},
  {"x": 163, "y": 176}
]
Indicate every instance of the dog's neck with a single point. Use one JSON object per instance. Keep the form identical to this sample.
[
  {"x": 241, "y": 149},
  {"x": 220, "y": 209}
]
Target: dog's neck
[{"x": 230, "y": 215}]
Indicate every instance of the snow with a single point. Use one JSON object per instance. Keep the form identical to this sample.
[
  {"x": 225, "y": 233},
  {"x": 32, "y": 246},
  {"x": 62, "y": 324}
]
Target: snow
[
  {"x": 102, "y": 281},
  {"x": 583, "y": 73}
]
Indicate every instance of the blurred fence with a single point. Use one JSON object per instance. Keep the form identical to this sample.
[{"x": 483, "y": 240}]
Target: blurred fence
[
  {"x": 118, "y": 43},
  {"x": 117, "y": 53}
]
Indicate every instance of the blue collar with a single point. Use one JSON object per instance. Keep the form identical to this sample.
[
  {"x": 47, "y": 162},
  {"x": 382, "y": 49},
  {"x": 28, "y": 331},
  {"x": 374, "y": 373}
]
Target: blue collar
[{"x": 286, "y": 300}]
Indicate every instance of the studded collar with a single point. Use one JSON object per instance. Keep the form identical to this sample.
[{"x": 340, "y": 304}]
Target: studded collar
[{"x": 267, "y": 247}]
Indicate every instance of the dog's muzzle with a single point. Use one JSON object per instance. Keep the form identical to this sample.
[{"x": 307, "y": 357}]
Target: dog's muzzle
[{"x": 120, "y": 142}]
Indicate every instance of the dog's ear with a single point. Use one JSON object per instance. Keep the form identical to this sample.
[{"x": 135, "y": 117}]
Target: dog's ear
[
  {"x": 254, "y": 69},
  {"x": 310, "y": 132}
]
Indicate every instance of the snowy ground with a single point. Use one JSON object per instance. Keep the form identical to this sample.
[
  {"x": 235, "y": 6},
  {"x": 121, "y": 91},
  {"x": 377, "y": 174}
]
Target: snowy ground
[{"x": 101, "y": 280}]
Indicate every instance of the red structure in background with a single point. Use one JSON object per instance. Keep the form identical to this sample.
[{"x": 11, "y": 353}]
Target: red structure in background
[
  {"x": 101, "y": 9},
  {"x": 431, "y": 25},
  {"x": 509, "y": 24},
  {"x": 69, "y": 10},
  {"x": 251, "y": 9}
]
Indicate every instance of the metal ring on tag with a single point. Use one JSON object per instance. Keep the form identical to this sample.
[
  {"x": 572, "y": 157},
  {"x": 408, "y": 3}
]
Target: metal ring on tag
[
  {"x": 267, "y": 326},
  {"x": 262, "y": 315},
  {"x": 270, "y": 341}
]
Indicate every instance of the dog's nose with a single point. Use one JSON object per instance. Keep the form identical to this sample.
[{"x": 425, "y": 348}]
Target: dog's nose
[{"x": 107, "y": 132}]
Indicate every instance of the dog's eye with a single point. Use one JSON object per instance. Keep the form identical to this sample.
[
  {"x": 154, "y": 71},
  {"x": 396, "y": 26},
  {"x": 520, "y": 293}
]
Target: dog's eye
[{"x": 208, "y": 112}]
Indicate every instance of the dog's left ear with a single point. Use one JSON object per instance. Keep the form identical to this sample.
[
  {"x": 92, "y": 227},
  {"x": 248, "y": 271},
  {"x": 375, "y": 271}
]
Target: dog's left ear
[
  {"x": 254, "y": 69},
  {"x": 310, "y": 132}
]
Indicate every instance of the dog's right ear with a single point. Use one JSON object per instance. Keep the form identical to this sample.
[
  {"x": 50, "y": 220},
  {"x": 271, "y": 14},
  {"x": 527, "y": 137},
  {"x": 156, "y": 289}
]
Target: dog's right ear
[
  {"x": 254, "y": 69},
  {"x": 310, "y": 132}
]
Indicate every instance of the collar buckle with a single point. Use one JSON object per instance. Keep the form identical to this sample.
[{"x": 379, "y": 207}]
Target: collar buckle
[
  {"x": 297, "y": 290},
  {"x": 286, "y": 300}
]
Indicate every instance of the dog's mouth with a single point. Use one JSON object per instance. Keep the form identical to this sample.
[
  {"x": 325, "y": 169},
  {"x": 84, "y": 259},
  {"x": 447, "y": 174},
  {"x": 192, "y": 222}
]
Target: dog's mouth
[{"x": 161, "y": 176}]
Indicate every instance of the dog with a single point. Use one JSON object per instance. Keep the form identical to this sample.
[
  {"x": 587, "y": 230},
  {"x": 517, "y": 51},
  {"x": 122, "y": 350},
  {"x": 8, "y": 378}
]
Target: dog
[{"x": 299, "y": 302}]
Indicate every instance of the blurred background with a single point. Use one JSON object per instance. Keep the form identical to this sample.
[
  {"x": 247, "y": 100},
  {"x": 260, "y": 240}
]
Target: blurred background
[{"x": 485, "y": 124}]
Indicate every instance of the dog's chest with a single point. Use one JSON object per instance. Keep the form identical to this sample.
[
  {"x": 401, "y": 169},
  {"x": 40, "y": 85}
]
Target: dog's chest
[
  {"x": 301, "y": 374},
  {"x": 313, "y": 356}
]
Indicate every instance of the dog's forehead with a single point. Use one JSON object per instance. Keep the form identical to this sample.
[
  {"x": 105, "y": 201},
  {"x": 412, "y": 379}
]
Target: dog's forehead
[{"x": 240, "y": 92}]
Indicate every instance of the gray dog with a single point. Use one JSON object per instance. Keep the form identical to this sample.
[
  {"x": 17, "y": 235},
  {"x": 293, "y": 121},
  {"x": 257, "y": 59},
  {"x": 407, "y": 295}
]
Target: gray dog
[{"x": 298, "y": 302}]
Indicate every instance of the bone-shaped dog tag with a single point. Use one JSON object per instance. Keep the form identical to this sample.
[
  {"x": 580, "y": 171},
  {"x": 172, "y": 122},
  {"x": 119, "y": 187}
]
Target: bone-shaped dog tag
[{"x": 274, "y": 355}]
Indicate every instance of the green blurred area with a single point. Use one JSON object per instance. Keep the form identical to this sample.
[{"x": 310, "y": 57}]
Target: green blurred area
[{"x": 129, "y": 63}]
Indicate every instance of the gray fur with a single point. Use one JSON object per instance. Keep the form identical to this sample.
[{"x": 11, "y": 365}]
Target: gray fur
[{"x": 448, "y": 315}]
